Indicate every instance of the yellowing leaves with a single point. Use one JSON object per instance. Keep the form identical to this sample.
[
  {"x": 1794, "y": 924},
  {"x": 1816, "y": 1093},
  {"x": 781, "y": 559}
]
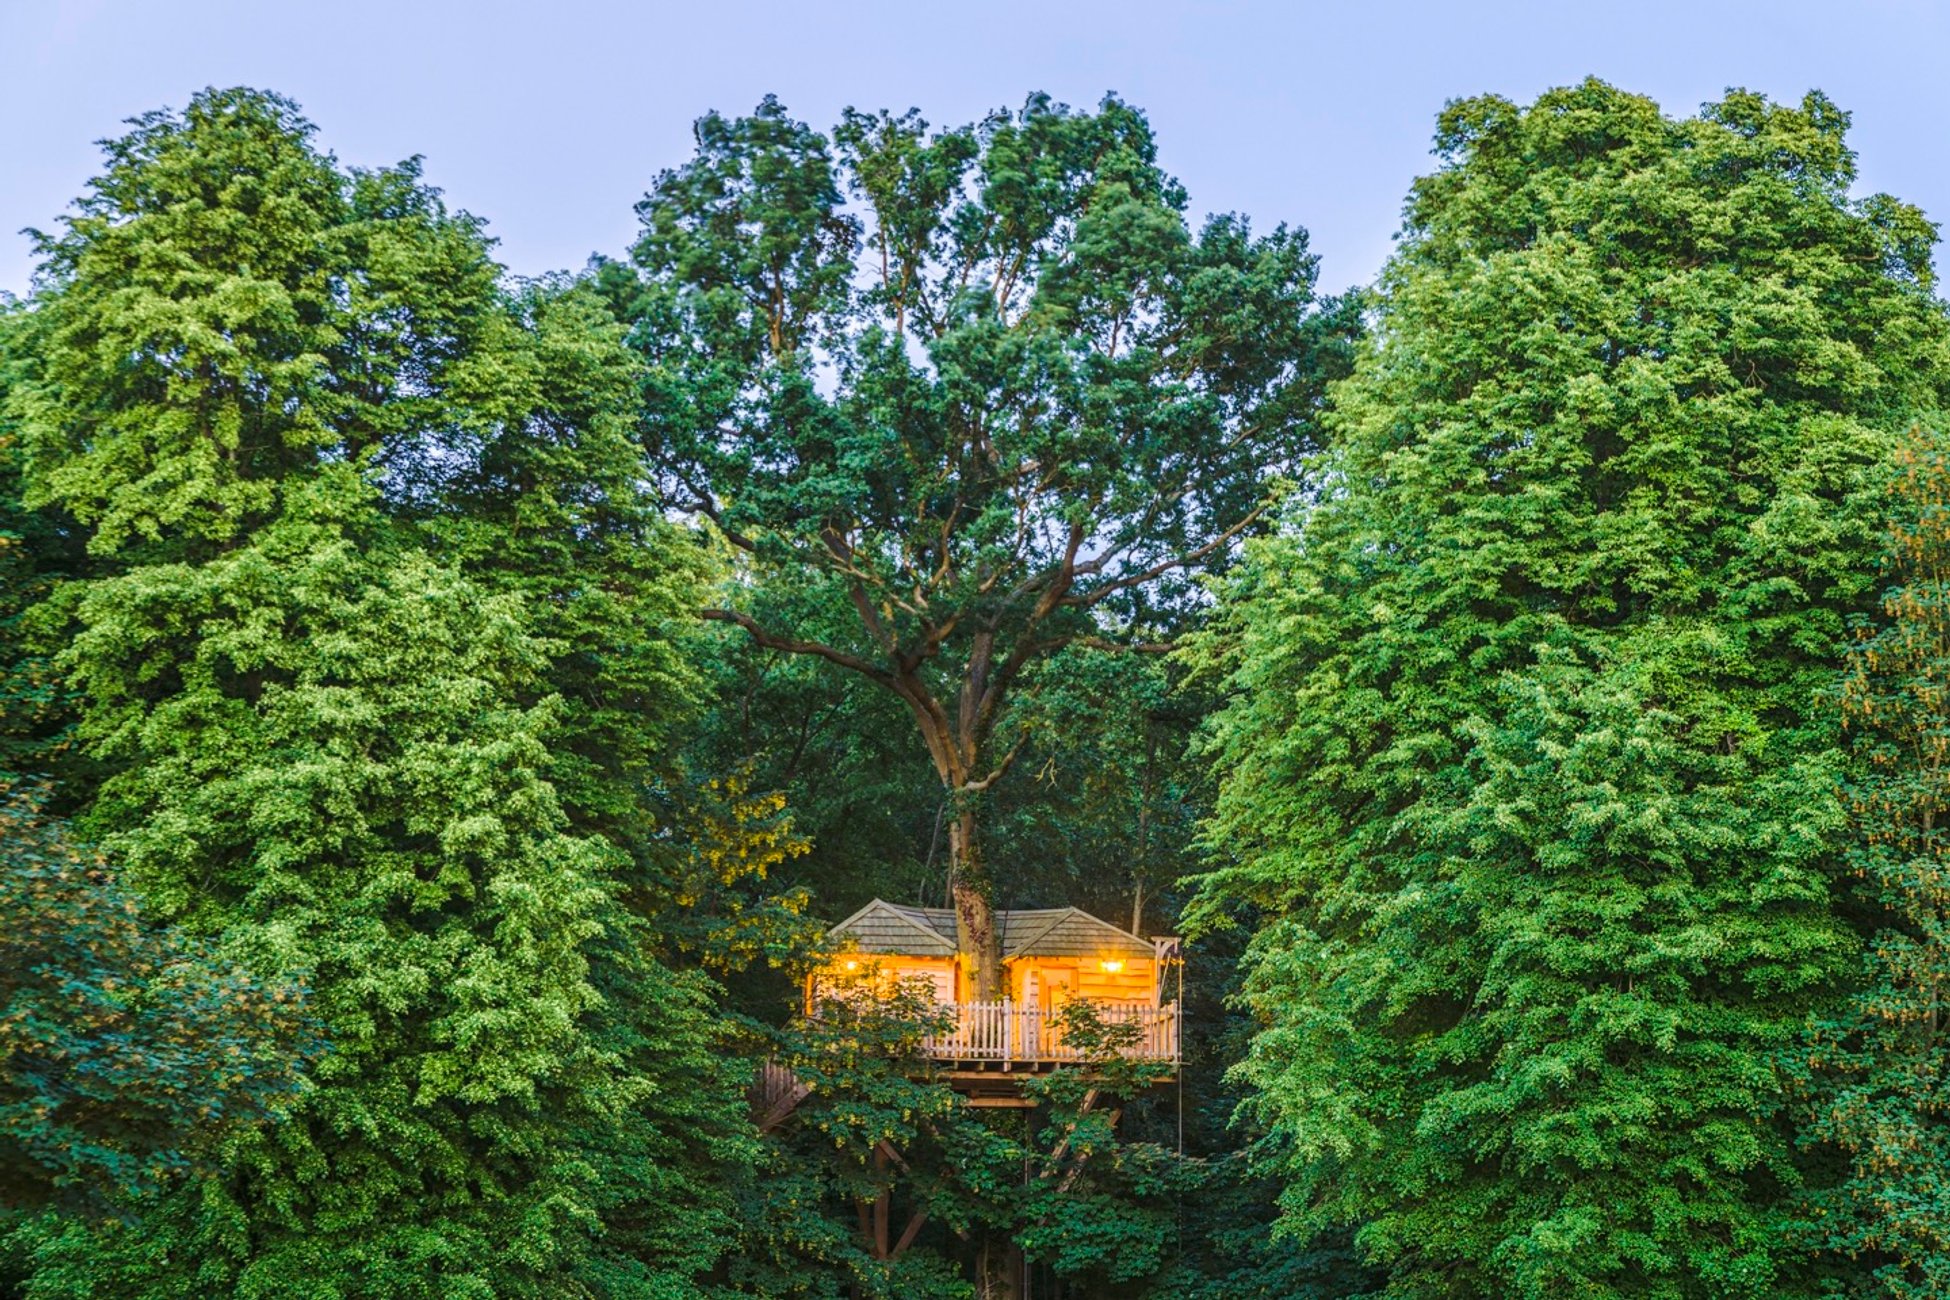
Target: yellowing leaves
[{"x": 739, "y": 835}]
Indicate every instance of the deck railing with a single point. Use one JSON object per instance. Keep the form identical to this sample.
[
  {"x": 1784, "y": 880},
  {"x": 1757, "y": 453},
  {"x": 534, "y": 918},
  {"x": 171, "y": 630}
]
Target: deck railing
[{"x": 1008, "y": 1031}]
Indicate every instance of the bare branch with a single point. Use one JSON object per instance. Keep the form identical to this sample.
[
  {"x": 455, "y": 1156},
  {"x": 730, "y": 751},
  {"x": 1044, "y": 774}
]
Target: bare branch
[
  {"x": 1162, "y": 567},
  {"x": 793, "y": 645},
  {"x": 1125, "y": 647}
]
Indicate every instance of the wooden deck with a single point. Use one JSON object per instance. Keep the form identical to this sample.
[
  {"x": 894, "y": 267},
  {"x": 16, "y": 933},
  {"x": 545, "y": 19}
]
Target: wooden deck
[
  {"x": 1007, "y": 1034},
  {"x": 993, "y": 1047}
]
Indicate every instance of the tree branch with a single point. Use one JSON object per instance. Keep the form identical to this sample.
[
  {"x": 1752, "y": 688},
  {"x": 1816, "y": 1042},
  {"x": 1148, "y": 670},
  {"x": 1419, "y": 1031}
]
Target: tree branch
[
  {"x": 1162, "y": 567},
  {"x": 1125, "y": 647},
  {"x": 1000, "y": 769},
  {"x": 704, "y": 505},
  {"x": 792, "y": 645}
]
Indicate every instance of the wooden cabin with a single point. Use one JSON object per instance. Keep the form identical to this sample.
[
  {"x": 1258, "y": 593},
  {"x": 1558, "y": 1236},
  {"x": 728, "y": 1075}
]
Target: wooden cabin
[{"x": 1050, "y": 956}]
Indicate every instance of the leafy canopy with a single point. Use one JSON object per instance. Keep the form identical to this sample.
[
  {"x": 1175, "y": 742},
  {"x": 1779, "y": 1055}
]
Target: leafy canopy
[
  {"x": 126, "y": 1048},
  {"x": 1528, "y": 768},
  {"x": 986, "y": 392},
  {"x": 361, "y": 516}
]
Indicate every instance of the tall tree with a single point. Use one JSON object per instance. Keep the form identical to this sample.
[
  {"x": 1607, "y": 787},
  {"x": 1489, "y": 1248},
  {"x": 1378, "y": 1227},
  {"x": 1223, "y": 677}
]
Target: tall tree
[
  {"x": 1883, "y": 1064},
  {"x": 317, "y": 448},
  {"x": 1529, "y": 766},
  {"x": 1005, "y": 403}
]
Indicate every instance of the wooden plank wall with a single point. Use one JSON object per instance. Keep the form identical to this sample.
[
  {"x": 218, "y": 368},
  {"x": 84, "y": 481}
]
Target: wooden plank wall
[{"x": 1137, "y": 982}]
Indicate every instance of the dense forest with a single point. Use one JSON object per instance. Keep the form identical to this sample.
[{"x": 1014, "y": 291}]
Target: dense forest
[{"x": 442, "y": 712}]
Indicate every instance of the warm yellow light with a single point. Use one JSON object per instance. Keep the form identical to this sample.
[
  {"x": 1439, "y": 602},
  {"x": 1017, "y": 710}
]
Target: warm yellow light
[
  {"x": 853, "y": 965},
  {"x": 1111, "y": 966}
]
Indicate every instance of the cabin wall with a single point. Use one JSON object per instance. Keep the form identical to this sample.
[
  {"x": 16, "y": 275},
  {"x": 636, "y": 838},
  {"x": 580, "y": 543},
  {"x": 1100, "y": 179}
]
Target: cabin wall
[
  {"x": 1137, "y": 982},
  {"x": 884, "y": 970},
  {"x": 1019, "y": 971}
]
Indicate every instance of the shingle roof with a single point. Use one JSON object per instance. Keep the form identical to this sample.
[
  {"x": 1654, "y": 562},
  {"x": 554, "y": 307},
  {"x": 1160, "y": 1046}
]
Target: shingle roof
[{"x": 886, "y": 927}]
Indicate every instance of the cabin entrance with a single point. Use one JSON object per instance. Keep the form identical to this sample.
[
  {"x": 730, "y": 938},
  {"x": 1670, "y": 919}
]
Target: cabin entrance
[{"x": 1052, "y": 986}]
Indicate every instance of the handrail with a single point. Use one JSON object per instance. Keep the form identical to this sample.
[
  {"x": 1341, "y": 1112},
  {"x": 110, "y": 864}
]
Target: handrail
[{"x": 1006, "y": 1031}]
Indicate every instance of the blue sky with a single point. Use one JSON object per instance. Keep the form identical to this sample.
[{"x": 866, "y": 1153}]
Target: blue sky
[{"x": 551, "y": 119}]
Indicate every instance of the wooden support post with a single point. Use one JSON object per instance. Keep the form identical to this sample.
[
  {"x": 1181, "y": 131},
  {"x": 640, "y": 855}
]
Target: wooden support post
[
  {"x": 909, "y": 1233},
  {"x": 1083, "y": 1159},
  {"x": 883, "y": 1204},
  {"x": 775, "y": 1094},
  {"x": 1089, "y": 1100},
  {"x": 866, "y": 1223}
]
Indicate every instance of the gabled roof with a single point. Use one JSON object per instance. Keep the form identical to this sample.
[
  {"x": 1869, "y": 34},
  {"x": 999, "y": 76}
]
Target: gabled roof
[
  {"x": 1070, "y": 932},
  {"x": 885, "y": 927}
]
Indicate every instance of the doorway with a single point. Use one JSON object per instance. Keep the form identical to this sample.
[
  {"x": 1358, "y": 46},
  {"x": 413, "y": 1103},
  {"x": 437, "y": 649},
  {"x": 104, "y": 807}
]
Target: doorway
[{"x": 1057, "y": 986}]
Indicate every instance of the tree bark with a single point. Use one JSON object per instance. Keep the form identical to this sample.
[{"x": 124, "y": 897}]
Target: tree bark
[
  {"x": 976, "y": 935},
  {"x": 999, "y": 1269}
]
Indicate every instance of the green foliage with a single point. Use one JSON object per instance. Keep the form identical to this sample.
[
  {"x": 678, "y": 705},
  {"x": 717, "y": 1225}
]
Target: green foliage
[
  {"x": 1527, "y": 770},
  {"x": 125, "y": 1047},
  {"x": 342, "y": 777},
  {"x": 1094, "y": 1207},
  {"x": 1083, "y": 1203},
  {"x": 860, "y": 1059},
  {"x": 1029, "y": 280},
  {"x": 543, "y": 500},
  {"x": 37, "y": 550},
  {"x": 1001, "y": 412},
  {"x": 1881, "y": 1067},
  {"x": 348, "y": 599},
  {"x": 264, "y": 306},
  {"x": 1105, "y": 812},
  {"x": 378, "y": 664}
]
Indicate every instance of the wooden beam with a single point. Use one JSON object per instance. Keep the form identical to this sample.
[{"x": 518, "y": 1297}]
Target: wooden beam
[
  {"x": 909, "y": 1233},
  {"x": 1082, "y": 1160},
  {"x": 1056, "y": 1156},
  {"x": 782, "y": 1109},
  {"x": 883, "y": 1204},
  {"x": 866, "y": 1223},
  {"x": 776, "y": 1092}
]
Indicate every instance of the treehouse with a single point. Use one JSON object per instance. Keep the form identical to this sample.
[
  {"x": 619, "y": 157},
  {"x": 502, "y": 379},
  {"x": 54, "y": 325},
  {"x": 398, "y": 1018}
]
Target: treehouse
[{"x": 1052, "y": 957}]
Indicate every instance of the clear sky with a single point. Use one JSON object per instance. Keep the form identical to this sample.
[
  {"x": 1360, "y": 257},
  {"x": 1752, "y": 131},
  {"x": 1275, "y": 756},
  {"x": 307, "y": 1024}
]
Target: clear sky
[{"x": 551, "y": 119}]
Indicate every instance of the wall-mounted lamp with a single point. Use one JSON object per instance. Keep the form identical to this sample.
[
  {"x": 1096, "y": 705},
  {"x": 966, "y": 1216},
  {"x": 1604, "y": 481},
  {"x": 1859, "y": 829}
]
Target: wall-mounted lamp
[
  {"x": 853, "y": 965},
  {"x": 1110, "y": 966}
]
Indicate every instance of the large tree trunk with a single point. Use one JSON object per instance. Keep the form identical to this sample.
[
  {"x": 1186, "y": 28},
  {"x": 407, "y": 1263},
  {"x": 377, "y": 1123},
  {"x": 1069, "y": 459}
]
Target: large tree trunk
[{"x": 976, "y": 935}]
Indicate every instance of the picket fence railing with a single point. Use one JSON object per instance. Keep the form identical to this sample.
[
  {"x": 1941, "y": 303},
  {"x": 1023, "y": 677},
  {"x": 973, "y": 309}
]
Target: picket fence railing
[{"x": 1008, "y": 1031}]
